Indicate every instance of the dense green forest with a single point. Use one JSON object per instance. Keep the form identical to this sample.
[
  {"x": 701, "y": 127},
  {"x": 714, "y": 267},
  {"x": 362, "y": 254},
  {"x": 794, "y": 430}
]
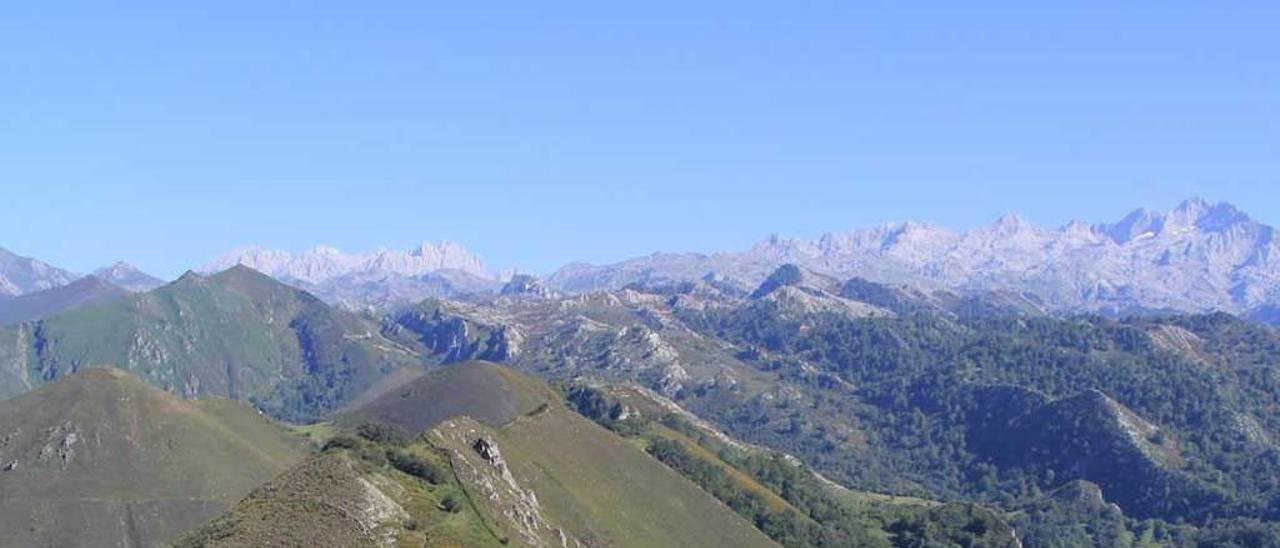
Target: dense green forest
[{"x": 1169, "y": 416}]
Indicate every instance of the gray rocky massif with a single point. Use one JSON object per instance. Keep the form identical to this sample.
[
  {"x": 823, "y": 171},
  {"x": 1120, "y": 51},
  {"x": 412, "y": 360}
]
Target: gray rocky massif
[
  {"x": 21, "y": 275},
  {"x": 1197, "y": 257},
  {"x": 381, "y": 279}
]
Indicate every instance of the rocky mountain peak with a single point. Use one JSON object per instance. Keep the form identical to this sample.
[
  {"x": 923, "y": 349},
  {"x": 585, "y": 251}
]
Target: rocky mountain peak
[
  {"x": 525, "y": 285},
  {"x": 127, "y": 276},
  {"x": 1011, "y": 223},
  {"x": 1140, "y": 223},
  {"x": 1198, "y": 214},
  {"x": 21, "y": 275}
]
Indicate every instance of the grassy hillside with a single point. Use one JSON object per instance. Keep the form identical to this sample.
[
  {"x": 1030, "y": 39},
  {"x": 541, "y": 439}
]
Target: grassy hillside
[
  {"x": 99, "y": 458},
  {"x": 528, "y": 471},
  {"x": 238, "y": 334},
  {"x": 597, "y": 485},
  {"x": 351, "y": 496},
  {"x": 489, "y": 393}
]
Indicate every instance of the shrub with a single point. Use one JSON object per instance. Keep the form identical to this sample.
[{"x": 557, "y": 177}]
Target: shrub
[
  {"x": 382, "y": 433},
  {"x": 342, "y": 441},
  {"x": 451, "y": 503},
  {"x": 414, "y": 465}
]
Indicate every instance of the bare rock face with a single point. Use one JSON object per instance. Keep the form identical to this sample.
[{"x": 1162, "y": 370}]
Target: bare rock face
[
  {"x": 524, "y": 285},
  {"x": 59, "y": 445},
  {"x": 21, "y": 275},
  {"x": 480, "y": 465},
  {"x": 127, "y": 276}
]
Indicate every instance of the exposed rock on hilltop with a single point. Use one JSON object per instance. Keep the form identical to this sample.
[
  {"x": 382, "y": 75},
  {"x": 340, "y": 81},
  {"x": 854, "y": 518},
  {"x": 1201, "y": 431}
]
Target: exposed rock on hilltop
[
  {"x": 128, "y": 276},
  {"x": 525, "y": 285}
]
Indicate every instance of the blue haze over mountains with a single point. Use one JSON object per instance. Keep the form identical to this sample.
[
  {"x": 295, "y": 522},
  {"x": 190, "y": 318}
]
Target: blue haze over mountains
[{"x": 1200, "y": 256}]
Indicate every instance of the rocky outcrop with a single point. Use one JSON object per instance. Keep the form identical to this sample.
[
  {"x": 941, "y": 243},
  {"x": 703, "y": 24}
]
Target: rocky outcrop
[
  {"x": 481, "y": 466},
  {"x": 455, "y": 337},
  {"x": 127, "y": 276},
  {"x": 524, "y": 285}
]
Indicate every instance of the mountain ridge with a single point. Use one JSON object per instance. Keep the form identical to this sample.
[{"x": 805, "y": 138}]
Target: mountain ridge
[
  {"x": 20, "y": 275},
  {"x": 1197, "y": 257},
  {"x": 322, "y": 263}
]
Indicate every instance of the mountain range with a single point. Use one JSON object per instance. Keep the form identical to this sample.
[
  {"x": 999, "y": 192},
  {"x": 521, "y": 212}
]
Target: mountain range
[
  {"x": 237, "y": 334},
  {"x": 383, "y": 278},
  {"x": 795, "y": 404},
  {"x": 1197, "y": 257},
  {"x": 795, "y": 394}
]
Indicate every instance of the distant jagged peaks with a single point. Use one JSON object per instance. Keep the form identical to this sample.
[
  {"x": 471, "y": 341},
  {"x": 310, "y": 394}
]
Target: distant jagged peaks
[
  {"x": 323, "y": 263},
  {"x": 1199, "y": 256},
  {"x": 1191, "y": 215}
]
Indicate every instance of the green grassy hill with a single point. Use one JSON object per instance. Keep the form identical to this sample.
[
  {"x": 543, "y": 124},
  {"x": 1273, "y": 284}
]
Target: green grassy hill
[
  {"x": 489, "y": 393},
  {"x": 99, "y": 458},
  {"x": 587, "y": 481},
  {"x": 528, "y": 472},
  {"x": 351, "y": 497},
  {"x": 601, "y": 488},
  {"x": 237, "y": 334}
]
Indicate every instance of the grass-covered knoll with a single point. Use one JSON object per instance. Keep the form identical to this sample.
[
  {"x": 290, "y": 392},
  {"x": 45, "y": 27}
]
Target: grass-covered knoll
[
  {"x": 598, "y": 486},
  {"x": 374, "y": 488},
  {"x": 529, "y": 472},
  {"x": 100, "y": 458},
  {"x": 587, "y": 482},
  {"x": 489, "y": 393},
  {"x": 237, "y": 334},
  {"x": 339, "y": 498}
]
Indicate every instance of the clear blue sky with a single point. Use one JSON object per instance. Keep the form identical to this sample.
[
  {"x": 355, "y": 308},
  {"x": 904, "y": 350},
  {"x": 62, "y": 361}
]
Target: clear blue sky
[{"x": 591, "y": 131}]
